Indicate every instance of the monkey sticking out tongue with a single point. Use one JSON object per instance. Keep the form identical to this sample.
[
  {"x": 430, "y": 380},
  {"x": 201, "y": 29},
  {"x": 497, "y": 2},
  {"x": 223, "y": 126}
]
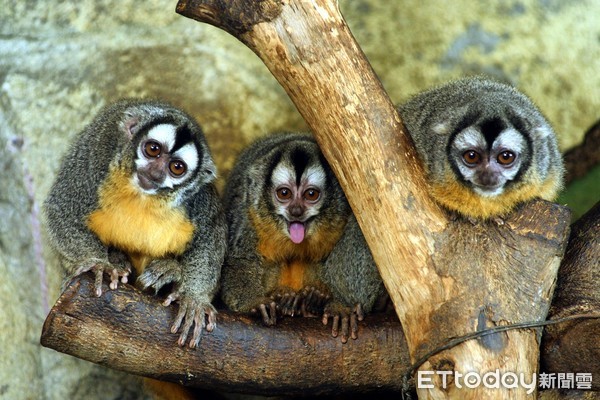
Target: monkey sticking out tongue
[{"x": 297, "y": 232}]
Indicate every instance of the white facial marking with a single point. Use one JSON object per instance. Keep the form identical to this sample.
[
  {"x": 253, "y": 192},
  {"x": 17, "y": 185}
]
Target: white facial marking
[
  {"x": 189, "y": 155},
  {"x": 469, "y": 138},
  {"x": 314, "y": 176},
  {"x": 164, "y": 134},
  {"x": 510, "y": 139},
  {"x": 543, "y": 131},
  {"x": 282, "y": 175}
]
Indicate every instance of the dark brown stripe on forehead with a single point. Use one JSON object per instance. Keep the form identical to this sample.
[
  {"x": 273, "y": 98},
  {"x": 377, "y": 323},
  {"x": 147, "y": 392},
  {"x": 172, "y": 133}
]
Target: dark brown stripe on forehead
[
  {"x": 490, "y": 129},
  {"x": 300, "y": 159},
  {"x": 183, "y": 136}
]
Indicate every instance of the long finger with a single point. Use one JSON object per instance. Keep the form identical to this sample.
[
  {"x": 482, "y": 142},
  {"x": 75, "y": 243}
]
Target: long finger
[
  {"x": 198, "y": 325},
  {"x": 335, "y": 325},
  {"x": 354, "y": 326},
  {"x": 187, "y": 325},
  {"x": 265, "y": 315},
  {"x": 98, "y": 281},
  {"x": 345, "y": 328},
  {"x": 114, "y": 279},
  {"x": 212, "y": 320},
  {"x": 179, "y": 318},
  {"x": 273, "y": 320}
]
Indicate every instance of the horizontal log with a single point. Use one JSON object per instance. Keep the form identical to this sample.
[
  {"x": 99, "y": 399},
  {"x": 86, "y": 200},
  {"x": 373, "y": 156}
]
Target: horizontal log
[{"x": 127, "y": 330}]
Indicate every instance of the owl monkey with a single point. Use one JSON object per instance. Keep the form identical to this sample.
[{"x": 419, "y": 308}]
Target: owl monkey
[
  {"x": 485, "y": 147},
  {"x": 135, "y": 189},
  {"x": 294, "y": 246}
]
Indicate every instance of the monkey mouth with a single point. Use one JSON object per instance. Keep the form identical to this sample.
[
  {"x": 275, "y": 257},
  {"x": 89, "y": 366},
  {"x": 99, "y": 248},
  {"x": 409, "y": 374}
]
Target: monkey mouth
[
  {"x": 146, "y": 183},
  {"x": 297, "y": 231},
  {"x": 489, "y": 190}
]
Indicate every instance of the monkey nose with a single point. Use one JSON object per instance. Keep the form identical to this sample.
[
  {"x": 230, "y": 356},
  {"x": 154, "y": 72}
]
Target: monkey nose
[
  {"x": 150, "y": 179},
  {"x": 296, "y": 211},
  {"x": 489, "y": 178}
]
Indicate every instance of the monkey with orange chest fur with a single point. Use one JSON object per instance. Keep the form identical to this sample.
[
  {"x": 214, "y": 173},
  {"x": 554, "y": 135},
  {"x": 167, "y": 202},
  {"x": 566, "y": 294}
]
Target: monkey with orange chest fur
[
  {"x": 485, "y": 146},
  {"x": 294, "y": 246},
  {"x": 136, "y": 190}
]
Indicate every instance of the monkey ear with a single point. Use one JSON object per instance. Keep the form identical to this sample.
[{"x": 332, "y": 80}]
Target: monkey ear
[
  {"x": 542, "y": 131},
  {"x": 130, "y": 125},
  {"x": 442, "y": 128},
  {"x": 209, "y": 170},
  {"x": 445, "y": 123}
]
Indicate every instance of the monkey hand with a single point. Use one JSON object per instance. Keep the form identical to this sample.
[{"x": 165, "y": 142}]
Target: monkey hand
[
  {"x": 313, "y": 300},
  {"x": 117, "y": 270},
  {"x": 200, "y": 313},
  {"x": 165, "y": 271},
  {"x": 345, "y": 318},
  {"x": 159, "y": 274}
]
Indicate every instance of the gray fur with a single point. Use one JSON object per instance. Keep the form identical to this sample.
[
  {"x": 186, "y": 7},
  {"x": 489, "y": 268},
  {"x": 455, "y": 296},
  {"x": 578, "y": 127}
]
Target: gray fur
[
  {"x": 74, "y": 196},
  {"x": 248, "y": 279}
]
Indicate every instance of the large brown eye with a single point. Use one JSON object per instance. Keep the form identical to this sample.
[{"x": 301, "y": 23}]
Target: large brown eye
[
  {"x": 283, "y": 194},
  {"x": 471, "y": 157},
  {"x": 177, "y": 167},
  {"x": 312, "y": 195},
  {"x": 506, "y": 157},
  {"x": 152, "y": 149}
]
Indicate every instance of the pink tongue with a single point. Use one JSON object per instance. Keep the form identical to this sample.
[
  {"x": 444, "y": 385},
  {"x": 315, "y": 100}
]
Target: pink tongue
[{"x": 297, "y": 232}]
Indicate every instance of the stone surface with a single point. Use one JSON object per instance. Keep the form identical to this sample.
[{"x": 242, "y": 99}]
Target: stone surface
[{"x": 60, "y": 61}]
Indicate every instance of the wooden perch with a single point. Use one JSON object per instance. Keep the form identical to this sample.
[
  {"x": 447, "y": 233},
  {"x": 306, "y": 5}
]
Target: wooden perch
[
  {"x": 127, "y": 330},
  {"x": 445, "y": 279},
  {"x": 578, "y": 292}
]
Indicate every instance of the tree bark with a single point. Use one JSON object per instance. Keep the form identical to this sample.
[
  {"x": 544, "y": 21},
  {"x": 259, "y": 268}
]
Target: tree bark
[
  {"x": 494, "y": 279},
  {"x": 578, "y": 292},
  {"x": 582, "y": 158},
  {"x": 127, "y": 330}
]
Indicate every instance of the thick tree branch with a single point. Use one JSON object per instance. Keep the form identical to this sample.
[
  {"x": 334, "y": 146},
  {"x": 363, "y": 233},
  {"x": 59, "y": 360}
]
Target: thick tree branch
[
  {"x": 127, "y": 330},
  {"x": 578, "y": 292},
  {"x": 581, "y": 159}
]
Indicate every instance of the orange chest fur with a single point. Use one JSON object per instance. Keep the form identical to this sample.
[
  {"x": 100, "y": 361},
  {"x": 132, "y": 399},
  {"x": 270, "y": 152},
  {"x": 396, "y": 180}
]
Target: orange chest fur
[
  {"x": 297, "y": 261},
  {"x": 146, "y": 227},
  {"x": 455, "y": 196}
]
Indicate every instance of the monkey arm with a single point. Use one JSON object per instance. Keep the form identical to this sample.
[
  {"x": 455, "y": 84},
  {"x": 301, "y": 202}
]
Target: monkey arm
[
  {"x": 71, "y": 200},
  {"x": 195, "y": 273},
  {"x": 354, "y": 282},
  {"x": 350, "y": 270}
]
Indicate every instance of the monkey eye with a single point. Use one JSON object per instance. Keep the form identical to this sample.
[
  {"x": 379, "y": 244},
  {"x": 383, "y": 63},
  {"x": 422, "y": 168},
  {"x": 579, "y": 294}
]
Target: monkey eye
[
  {"x": 283, "y": 194},
  {"x": 312, "y": 194},
  {"x": 471, "y": 157},
  {"x": 152, "y": 149},
  {"x": 177, "y": 167},
  {"x": 507, "y": 157}
]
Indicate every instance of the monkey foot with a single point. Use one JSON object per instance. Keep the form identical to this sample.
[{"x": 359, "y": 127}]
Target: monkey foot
[
  {"x": 99, "y": 267},
  {"x": 343, "y": 318},
  {"x": 287, "y": 301},
  {"x": 313, "y": 301},
  {"x": 267, "y": 308}
]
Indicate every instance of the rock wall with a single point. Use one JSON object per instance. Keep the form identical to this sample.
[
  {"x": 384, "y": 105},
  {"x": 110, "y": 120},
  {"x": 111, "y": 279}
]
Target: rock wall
[{"x": 60, "y": 61}]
